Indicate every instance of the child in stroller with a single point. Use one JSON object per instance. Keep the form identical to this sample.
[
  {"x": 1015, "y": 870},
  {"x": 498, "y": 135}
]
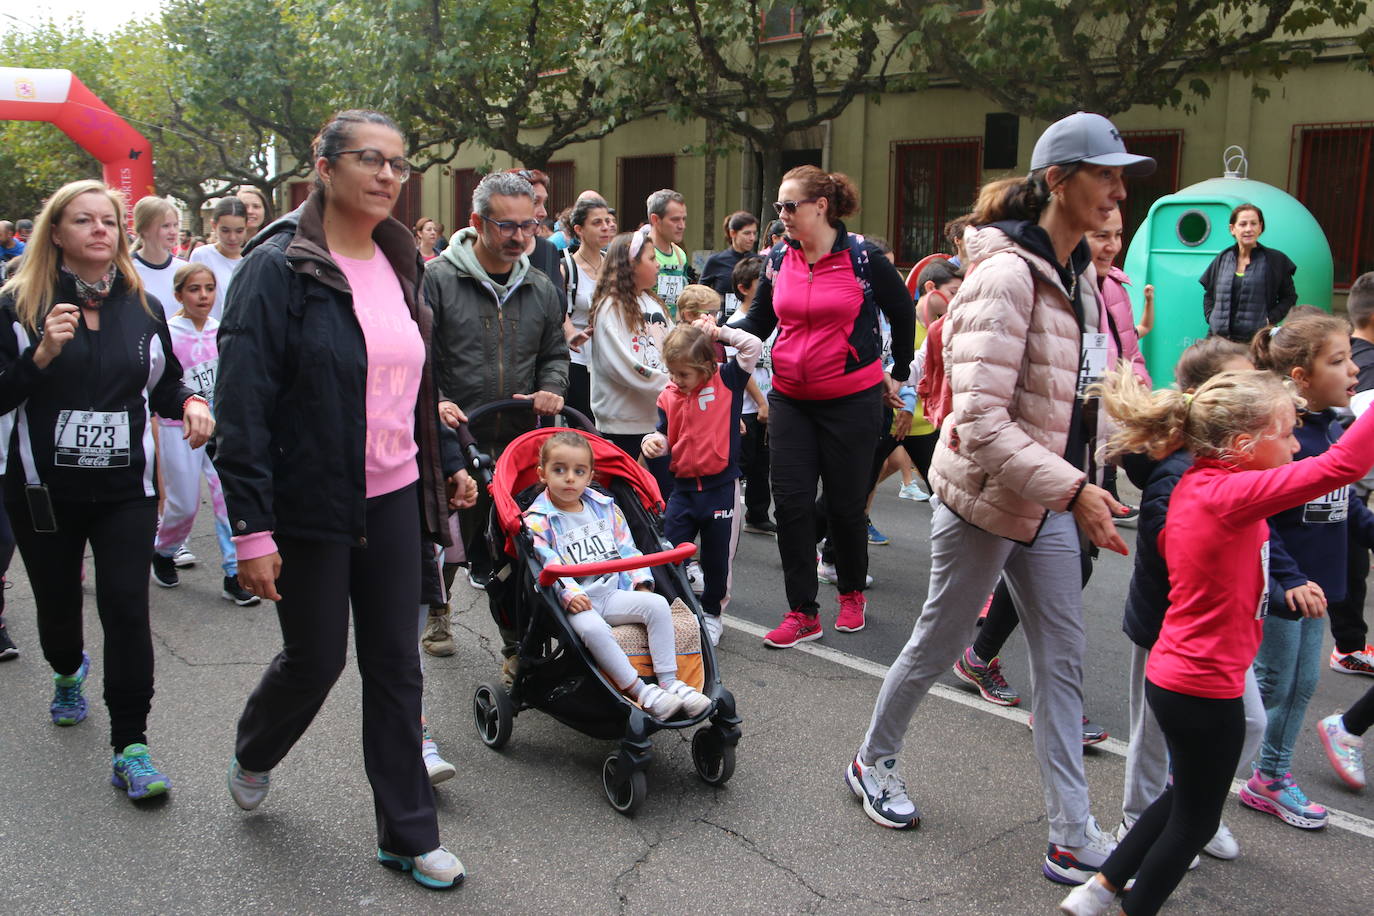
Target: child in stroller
[{"x": 573, "y": 525}]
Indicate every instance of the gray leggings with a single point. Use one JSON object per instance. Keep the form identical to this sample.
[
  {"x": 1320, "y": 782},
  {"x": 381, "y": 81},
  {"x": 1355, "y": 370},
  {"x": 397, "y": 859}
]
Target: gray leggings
[
  {"x": 1046, "y": 582},
  {"x": 614, "y": 608}
]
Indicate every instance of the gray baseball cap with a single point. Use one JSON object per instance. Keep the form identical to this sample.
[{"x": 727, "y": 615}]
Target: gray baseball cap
[{"x": 1087, "y": 137}]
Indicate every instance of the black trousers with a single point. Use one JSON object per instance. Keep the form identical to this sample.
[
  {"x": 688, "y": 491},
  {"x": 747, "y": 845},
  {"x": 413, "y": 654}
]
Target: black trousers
[
  {"x": 1204, "y": 738},
  {"x": 815, "y": 442},
  {"x": 6, "y": 555},
  {"x": 1360, "y": 715},
  {"x": 121, "y": 539},
  {"x": 579, "y": 396},
  {"x": 1348, "y": 627},
  {"x": 753, "y": 464},
  {"x": 319, "y": 580}
]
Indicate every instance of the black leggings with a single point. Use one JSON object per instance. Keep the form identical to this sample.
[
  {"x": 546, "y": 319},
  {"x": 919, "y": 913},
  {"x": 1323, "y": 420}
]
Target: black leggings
[
  {"x": 6, "y": 555},
  {"x": 1360, "y": 715},
  {"x": 121, "y": 539},
  {"x": 1204, "y": 738},
  {"x": 318, "y": 582}
]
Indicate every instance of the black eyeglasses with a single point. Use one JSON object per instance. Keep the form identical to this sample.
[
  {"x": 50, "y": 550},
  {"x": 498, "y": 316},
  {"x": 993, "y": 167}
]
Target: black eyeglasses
[
  {"x": 373, "y": 160},
  {"x": 508, "y": 228},
  {"x": 791, "y": 205}
]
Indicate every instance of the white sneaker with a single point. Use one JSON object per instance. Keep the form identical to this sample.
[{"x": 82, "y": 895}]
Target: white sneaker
[
  {"x": 1222, "y": 845},
  {"x": 438, "y": 768},
  {"x": 658, "y": 702},
  {"x": 1091, "y": 898},
  {"x": 825, "y": 572},
  {"x": 1077, "y": 864},
  {"x": 1125, "y": 828},
  {"x": 246, "y": 787},
  {"x": 883, "y": 793},
  {"x": 183, "y": 558},
  {"x": 437, "y": 869},
  {"x": 713, "y": 627},
  {"x": 913, "y": 491},
  {"x": 695, "y": 577},
  {"x": 694, "y": 702}
]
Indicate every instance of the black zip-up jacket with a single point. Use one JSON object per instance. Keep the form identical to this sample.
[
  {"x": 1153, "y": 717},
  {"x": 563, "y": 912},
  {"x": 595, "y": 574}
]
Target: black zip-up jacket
[
  {"x": 81, "y": 424},
  {"x": 1147, "y": 597},
  {"x": 290, "y": 397},
  {"x": 1238, "y": 307}
]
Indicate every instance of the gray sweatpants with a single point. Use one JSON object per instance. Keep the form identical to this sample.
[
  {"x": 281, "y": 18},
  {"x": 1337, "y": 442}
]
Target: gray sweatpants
[
  {"x": 614, "y": 607},
  {"x": 1046, "y": 581},
  {"x": 1147, "y": 760}
]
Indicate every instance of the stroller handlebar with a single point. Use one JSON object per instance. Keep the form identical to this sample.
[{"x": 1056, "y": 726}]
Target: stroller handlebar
[{"x": 555, "y": 571}]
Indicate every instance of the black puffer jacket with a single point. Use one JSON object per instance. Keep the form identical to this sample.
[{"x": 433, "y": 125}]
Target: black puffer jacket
[
  {"x": 290, "y": 397},
  {"x": 1237, "y": 307}
]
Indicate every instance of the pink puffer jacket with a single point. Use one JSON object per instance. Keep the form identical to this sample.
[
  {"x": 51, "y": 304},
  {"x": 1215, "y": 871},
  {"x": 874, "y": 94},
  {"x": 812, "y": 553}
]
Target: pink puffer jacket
[
  {"x": 1011, "y": 351},
  {"x": 1117, "y": 301}
]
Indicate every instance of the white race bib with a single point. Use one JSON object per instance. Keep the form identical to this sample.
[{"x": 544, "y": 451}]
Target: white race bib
[
  {"x": 1262, "y": 611},
  {"x": 92, "y": 439},
  {"x": 1092, "y": 361},
  {"x": 731, "y": 305},
  {"x": 1329, "y": 509},
  {"x": 670, "y": 286},
  {"x": 590, "y": 543},
  {"x": 200, "y": 378}
]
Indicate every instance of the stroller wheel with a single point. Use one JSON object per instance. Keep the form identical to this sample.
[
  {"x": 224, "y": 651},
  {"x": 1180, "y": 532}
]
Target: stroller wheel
[
  {"x": 714, "y": 759},
  {"x": 494, "y": 715},
  {"x": 624, "y": 794}
]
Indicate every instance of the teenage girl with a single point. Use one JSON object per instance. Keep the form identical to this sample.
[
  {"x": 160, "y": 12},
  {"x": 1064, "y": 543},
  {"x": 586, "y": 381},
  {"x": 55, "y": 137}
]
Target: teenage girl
[
  {"x": 1308, "y": 558},
  {"x": 157, "y": 224},
  {"x": 258, "y": 207},
  {"x": 193, "y": 334},
  {"x": 572, "y": 524},
  {"x": 592, "y": 226},
  {"x": 1240, "y": 427},
  {"x": 699, "y": 425},
  {"x": 229, "y": 220}
]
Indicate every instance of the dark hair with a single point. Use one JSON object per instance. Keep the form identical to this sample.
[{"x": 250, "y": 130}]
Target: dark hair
[
  {"x": 776, "y": 228},
  {"x": 740, "y": 219},
  {"x": 954, "y": 229},
  {"x": 939, "y": 272},
  {"x": 835, "y": 187},
  {"x": 228, "y": 206},
  {"x": 747, "y": 270},
  {"x": 337, "y": 134},
  {"x": 1360, "y": 304},
  {"x": 186, "y": 271},
  {"x": 1204, "y": 359},
  {"x": 266, "y": 202},
  {"x": 1235, "y": 214},
  {"x": 577, "y": 216},
  {"x": 1019, "y": 198},
  {"x": 1296, "y": 343}
]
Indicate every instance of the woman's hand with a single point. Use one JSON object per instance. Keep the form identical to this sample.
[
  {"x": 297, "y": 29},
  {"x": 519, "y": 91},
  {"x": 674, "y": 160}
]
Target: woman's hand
[
  {"x": 259, "y": 576},
  {"x": 707, "y": 325},
  {"x": 579, "y": 603},
  {"x": 891, "y": 392},
  {"x": 451, "y": 414},
  {"x": 462, "y": 491},
  {"x": 58, "y": 328},
  {"x": 1307, "y": 599},
  {"x": 197, "y": 423},
  {"x": 901, "y": 424},
  {"x": 1094, "y": 510},
  {"x": 576, "y": 341},
  {"x": 653, "y": 445}
]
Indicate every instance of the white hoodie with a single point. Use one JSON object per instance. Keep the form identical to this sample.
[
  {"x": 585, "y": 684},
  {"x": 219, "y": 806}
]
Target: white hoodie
[{"x": 627, "y": 369}]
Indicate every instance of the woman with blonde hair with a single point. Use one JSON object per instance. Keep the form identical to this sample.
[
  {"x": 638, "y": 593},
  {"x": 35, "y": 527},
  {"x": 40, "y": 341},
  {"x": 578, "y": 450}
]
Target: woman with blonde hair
[
  {"x": 90, "y": 360},
  {"x": 157, "y": 223}
]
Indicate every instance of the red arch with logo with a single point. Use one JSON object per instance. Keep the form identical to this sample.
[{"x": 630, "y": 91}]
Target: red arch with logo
[{"x": 58, "y": 97}]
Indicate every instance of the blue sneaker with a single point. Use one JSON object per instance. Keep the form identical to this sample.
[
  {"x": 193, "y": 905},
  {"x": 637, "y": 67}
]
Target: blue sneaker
[
  {"x": 69, "y": 700},
  {"x": 876, "y": 537},
  {"x": 135, "y": 774}
]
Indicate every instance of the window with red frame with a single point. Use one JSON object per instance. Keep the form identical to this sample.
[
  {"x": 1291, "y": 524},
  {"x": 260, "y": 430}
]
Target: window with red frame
[
  {"x": 935, "y": 181},
  {"x": 640, "y": 176},
  {"x": 464, "y": 183},
  {"x": 1164, "y": 146},
  {"x": 407, "y": 208},
  {"x": 783, "y": 22},
  {"x": 1335, "y": 180}
]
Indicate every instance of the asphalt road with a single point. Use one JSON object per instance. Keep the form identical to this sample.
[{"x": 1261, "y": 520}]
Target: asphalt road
[{"x": 531, "y": 823}]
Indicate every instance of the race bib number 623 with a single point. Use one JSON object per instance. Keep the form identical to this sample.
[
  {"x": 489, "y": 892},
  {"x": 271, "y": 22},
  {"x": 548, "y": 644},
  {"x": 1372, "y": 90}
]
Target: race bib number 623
[{"x": 92, "y": 439}]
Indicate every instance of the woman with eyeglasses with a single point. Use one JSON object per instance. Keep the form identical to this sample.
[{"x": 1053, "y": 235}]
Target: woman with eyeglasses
[
  {"x": 823, "y": 292},
  {"x": 329, "y": 452}
]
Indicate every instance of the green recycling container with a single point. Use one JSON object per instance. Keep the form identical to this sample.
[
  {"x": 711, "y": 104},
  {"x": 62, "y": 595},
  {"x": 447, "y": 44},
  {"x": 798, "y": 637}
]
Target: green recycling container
[{"x": 1183, "y": 233}]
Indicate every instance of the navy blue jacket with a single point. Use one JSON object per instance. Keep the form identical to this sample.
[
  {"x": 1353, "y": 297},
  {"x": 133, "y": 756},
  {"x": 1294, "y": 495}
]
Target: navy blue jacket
[
  {"x": 1147, "y": 597},
  {"x": 1310, "y": 543}
]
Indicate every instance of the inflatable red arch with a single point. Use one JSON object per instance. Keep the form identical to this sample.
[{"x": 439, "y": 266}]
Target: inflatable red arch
[{"x": 58, "y": 97}]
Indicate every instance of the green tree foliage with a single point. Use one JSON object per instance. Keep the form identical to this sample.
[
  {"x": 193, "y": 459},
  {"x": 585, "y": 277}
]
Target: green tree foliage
[{"x": 1048, "y": 58}]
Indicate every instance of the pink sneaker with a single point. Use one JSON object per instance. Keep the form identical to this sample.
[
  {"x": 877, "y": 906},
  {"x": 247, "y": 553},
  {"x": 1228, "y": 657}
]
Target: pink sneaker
[
  {"x": 795, "y": 627},
  {"x": 851, "y": 619}
]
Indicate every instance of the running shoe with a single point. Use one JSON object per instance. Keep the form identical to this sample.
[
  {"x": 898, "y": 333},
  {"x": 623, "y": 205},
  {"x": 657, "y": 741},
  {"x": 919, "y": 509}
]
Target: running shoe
[
  {"x": 987, "y": 678},
  {"x": 438, "y": 637},
  {"x": 478, "y": 579},
  {"x": 876, "y": 537},
  {"x": 851, "y": 617},
  {"x": 69, "y": 698},
  {"x": 695, "y": 577},
  {"x": 1223, "y": 844},
  {"x": 825, "y": 573},
  {"x": 1360, "y": 662},
  {"x": 165, "y": 571},
  {"x": 1091, "y": 898},
  {"x": 248, "y": 788},
  {"x": 1076, "y": 864},
  {"x": 1344, "y": 750},
  {"x": 913, "y": 491},
  {"x": 1092, "y": 734},
  {"x": 763, "y": 527},
  {"x": 694, "y": 702},
  {"x": 796, "y": 627},
  {"x": 1282, "y": 798},
  {"x": 8, "y": 649},
  {"x": 438, "y": 768},
  {"x": 437, "y": 870},
  {"x": 713, "y": 627},
  {"x": 230, "y": 590},
  {"x": 134, "y": 772},
  {"x": 883, "y": 793},
  {"x": 183, "y": 558}
]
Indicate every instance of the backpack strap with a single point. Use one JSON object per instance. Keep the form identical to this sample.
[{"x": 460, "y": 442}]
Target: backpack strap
[{"x": 570, "y": 268}]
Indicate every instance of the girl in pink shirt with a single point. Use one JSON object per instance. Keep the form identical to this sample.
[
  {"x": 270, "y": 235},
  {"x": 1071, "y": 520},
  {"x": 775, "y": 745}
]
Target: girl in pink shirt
[{"x": 1216, "y": 546}]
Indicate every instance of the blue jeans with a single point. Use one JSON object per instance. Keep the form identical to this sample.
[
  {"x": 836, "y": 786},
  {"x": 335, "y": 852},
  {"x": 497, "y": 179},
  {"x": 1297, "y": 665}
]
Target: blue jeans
[{"x": 1287, "y": 668}]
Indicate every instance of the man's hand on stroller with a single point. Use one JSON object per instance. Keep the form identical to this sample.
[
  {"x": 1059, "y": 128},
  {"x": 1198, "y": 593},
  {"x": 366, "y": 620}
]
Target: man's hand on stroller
[
  {"x": 579, "y": 603},
  {"x": 653, "y": 445},
  {"x": 546, "y": 403},
  {"x": 462, "y": 491}
]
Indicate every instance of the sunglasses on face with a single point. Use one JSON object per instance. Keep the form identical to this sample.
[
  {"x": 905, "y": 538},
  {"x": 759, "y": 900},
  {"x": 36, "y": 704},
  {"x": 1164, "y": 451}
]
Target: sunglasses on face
[{"x": 791, "y": 205}]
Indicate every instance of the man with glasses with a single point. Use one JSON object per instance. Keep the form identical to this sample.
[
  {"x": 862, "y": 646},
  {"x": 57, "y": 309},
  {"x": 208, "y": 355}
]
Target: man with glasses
[
  {"x": 667, "y": 225},
  {"x": 498, "y": 333}
]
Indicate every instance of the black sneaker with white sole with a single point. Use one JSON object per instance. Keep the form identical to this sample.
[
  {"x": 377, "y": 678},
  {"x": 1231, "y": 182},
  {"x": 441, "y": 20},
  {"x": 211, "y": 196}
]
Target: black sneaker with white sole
[
  {"x": 236, "y": 593},
  {"x": 165, "y": 571},
  {"x": 8, "y": 649}
]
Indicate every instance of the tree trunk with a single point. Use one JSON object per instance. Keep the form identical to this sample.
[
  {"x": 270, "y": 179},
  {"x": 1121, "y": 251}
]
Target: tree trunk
[
  {"x": 768, "y": 181},
  {"x": 708, "y": 189}
]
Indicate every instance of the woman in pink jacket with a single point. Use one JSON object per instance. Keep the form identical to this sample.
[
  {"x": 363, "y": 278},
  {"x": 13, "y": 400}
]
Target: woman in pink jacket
[{"x": 1023, "y": 341}]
